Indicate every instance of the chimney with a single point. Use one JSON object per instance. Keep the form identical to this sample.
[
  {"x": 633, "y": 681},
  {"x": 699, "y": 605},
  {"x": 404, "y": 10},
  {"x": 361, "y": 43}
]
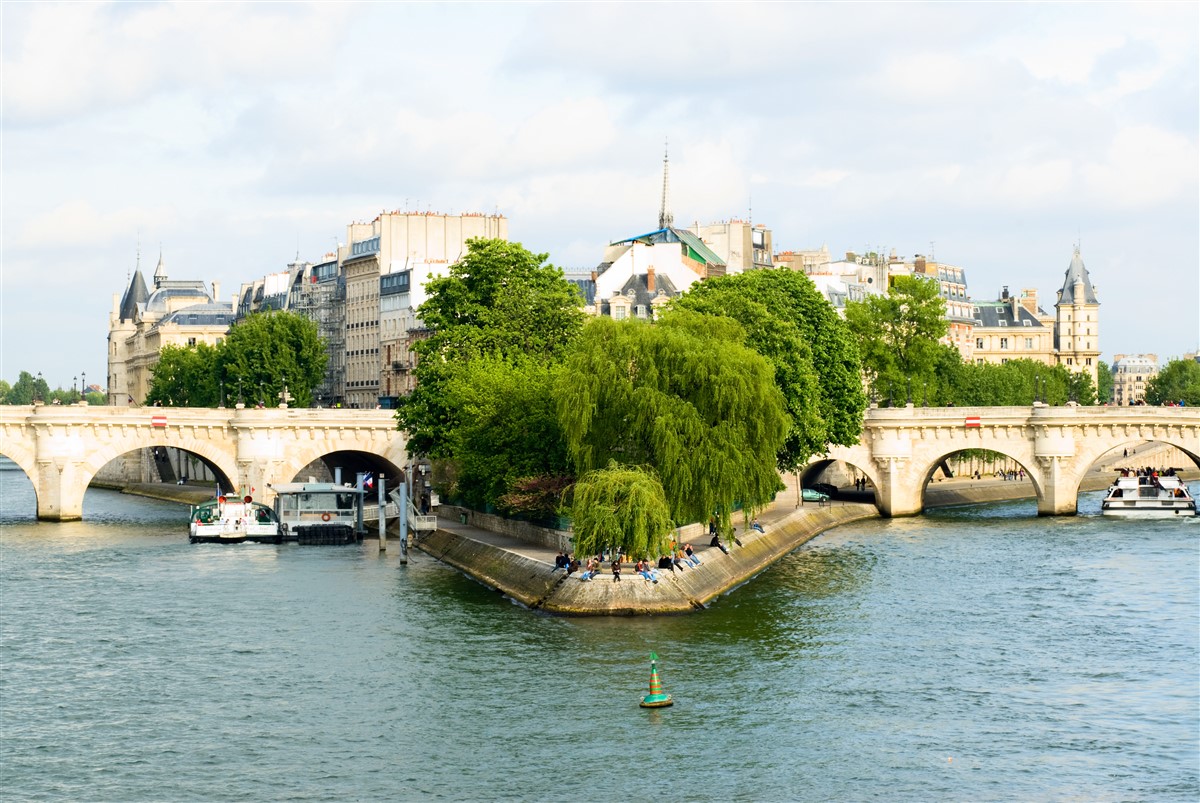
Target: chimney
[
  {"x": 594, "y": 275},
  {"x": 1004, "y": 294},
  {"x": 650, "y": 279},
  {"x": 1029, "y": 300},
  {"x": 216, "y": 291},
  {"x": 919, "y": 264}
]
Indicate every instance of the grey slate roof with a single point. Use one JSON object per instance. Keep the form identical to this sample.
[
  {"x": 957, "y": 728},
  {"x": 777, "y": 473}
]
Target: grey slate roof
[
  {"x": 1000, "y": 313},
  {"x": 200, "y": 315},
  {"x": 1075, "y": 271},
  {"x": 639, "y": 295},
  {"x": 135, "y": 295}
]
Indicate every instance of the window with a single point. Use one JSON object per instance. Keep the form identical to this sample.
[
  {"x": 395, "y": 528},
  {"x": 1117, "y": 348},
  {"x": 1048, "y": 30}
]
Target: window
[
  {"x": 1089, "y": 360},
  {"x": 1029, "y": 342},
  {"x": 1004, "y": 342},
  {"x": 619, "y": 313},
  {"x": 979, "y": 342},
  {"x": 1070, "y": 361},
  {"x": 1003, "y": 322},
  {"x": 191, "y": 341}
]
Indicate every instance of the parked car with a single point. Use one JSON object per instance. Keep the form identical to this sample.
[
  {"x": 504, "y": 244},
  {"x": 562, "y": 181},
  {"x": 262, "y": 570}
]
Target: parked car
[
  {"x": 825, "y": 488},
  {"x": 813, "y": 495}
]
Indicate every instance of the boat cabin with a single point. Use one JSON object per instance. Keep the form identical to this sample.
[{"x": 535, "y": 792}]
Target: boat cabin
[{"x": 320, "y": 512}]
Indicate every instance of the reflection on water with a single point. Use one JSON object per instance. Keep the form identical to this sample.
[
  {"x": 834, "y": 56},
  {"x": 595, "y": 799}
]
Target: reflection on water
[{"x": 1048, "y": 658}]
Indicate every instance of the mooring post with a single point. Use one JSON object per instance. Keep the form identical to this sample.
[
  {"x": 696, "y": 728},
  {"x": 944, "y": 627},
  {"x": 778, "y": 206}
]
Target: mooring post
[
  {"x": 402, "y": 503},
  {"x": 382, "y": 516}
]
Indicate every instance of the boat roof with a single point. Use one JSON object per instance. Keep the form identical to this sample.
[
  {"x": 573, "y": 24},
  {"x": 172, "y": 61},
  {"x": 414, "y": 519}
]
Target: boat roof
[{"x": 315, "y": 488}]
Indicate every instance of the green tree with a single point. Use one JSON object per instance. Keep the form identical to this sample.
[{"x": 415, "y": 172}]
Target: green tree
[
  {"x": 683, "y": 396},
  {"x": 621, "y": 508},
  {"x": 1178, "y": 381},
  {"x": 898, "y": 334},
  {"x": 265, "y": 351},
  {"x": 1018, "y": 383},
  {"x": 185, "y": 376},
  {"x": 500, "y": 300},
  {"x": 5, "y": 389},
  {"x": 809, "y": 348},
  {"x": 507, "y": 429},
  {"x": 27, "y": 388},
  {"x": 1104, "y": 383}
]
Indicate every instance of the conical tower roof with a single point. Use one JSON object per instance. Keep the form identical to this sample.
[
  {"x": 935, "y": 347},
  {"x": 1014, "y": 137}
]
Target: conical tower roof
[
  {"x": 1077, "y": 274},
  {"x": 160, "y": 272},
  {"x": 135, "y": 294}
]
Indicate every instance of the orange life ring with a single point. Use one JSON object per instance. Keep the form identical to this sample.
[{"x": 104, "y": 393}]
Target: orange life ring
[{"x": 324, "y": 517}]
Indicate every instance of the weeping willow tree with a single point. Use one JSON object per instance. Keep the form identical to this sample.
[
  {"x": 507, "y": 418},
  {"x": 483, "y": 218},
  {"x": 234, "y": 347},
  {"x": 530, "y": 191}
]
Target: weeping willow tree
[
  {"x": 683, "y": 396},
  {"x": 621, "y": 508}
]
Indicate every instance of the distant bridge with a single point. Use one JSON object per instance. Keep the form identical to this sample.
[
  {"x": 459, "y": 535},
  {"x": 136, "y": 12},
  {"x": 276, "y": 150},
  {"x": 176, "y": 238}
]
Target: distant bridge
[
  {"x": 902, "y": 447},
  {"x": 62, "y": 447}
]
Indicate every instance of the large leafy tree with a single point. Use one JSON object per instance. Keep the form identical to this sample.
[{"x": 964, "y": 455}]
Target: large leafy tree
[
  {"x": 683, "y": 396},
  {"x": 501, "y": 301},
  {"x": 810, "y": 350},
  {"x": 621, "y": 508},
  {"x": 185, "y": 376},
  {"x": 507, "y": 430},
  {"x": 1178, "y": 381},
  {"x": 898, "y": 334},
  {"x": 267, "y": 351}
]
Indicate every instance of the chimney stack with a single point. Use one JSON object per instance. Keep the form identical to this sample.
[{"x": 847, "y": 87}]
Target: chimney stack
[
  {"x": 216, "y": 291},
  {"x": 650, "y": 279}
]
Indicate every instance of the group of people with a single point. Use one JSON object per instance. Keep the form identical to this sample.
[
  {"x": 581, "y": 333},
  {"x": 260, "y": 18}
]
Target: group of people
[
  {"x": 675, "y": 558},
  {"x": 1018, "y": 474}
]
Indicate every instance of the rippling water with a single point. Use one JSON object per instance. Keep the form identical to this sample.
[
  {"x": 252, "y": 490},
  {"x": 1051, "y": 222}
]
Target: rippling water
[{"x": 976, "y": 654}]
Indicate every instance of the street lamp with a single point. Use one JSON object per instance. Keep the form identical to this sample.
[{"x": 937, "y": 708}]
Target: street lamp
[
  {"x": 37, "y": 389},
  {"x": 83, "y": 384}
]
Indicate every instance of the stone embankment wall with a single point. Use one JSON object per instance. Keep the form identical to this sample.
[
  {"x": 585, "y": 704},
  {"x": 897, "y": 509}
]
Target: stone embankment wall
[{"x": 534, "y": 583}]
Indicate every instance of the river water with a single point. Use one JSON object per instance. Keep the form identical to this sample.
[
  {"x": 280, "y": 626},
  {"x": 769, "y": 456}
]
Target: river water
[{"x": 974, "y": 654}]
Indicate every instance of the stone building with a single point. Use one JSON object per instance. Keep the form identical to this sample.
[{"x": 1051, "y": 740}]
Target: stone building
[
  {"x": 1077, "y": 321},
  {"x": 1130, "y": 374},
  {"x": 142, "y": 322},
  {"x": 1012, "y": 328},
  {"x": 740, "y": 245},
  {"x": 386, "y": 263}
]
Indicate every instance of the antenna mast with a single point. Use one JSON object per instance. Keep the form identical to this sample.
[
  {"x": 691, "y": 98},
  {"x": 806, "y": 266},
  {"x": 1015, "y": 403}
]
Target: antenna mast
[{"x": 665, "y": 218}]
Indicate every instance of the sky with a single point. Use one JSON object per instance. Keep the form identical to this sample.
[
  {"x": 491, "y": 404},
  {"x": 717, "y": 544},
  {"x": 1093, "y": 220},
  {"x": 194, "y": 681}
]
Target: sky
[{"x": 233, "y": 137}]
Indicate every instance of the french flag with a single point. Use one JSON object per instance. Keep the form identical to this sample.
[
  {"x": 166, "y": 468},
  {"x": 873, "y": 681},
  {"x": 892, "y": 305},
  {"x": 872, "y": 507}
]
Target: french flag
[{"x": 368, "y": 480}]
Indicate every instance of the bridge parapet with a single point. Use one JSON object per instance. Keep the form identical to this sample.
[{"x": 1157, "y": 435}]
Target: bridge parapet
[{"x": 61, "y": 447}]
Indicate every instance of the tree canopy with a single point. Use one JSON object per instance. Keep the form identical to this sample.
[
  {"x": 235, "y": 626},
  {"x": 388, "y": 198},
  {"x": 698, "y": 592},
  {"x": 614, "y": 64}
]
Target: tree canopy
[
  {"x": 623, "y": 508},
  {"x": 1015, "y": 383},
  {"x": 898, "y": 334},
  {"x": 1104, "y": 383},
  {"x": 499, "y": 301},
  {"x": 682, "y": 396},
  {"x": 262, "y": 354},
  {"x": 809, "y": 348},
  {"x": 1178, "y": 381}
]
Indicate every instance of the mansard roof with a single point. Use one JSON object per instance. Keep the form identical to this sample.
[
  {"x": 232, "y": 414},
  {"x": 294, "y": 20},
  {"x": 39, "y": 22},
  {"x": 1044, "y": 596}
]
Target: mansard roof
[
  {"x": 992, "y": 314},
  {"x": 135, "y": 295},
  {"x": 167, "y": 291},
  {"x": 211, "y": 314},
  {"x": 696, "y": 247},
  {"x": 1077, "y": 271}
]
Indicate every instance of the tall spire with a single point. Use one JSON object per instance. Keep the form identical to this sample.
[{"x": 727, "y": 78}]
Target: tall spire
[
  {"x": 160, "y": 272},
  {"x": 665, "y": 218}
]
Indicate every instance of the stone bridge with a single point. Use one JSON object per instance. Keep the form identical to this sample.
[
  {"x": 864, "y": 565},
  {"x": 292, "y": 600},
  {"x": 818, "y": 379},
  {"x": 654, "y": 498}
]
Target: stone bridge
[
  {"x": 902, "y": 447},
  {"x": 61, "y": 448}
]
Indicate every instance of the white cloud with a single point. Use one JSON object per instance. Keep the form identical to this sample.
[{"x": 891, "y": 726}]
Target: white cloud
[{"x": 1143, "y": 167}]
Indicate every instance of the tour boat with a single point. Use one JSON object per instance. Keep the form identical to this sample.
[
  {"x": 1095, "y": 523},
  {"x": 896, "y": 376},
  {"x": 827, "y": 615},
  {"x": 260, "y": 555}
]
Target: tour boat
[
  {"x": 1148, "y": 497},
  {"x": 233, "y": 521}
]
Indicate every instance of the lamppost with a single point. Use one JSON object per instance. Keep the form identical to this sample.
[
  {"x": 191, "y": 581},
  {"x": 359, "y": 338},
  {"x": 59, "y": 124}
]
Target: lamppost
[
  {"x": 74, "y": 384},
  {"x": 925, "y": 393},
  {"x": 83, "y": 384},
  {"x": 221, "y": 402},
  {"x": 37, "y": 389}
]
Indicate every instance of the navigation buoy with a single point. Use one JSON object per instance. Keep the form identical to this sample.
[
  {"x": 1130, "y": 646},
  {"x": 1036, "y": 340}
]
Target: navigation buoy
[{"x": 656, "y": 698}]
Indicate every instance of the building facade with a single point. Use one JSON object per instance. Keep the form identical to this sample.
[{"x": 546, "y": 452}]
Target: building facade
[
  {"x": 1012, "y": 328},
  {"x": 142, "y": 322},
  {"x": 1130, "y": 374},
  {"x": 740, "y": 245},
  {"x": 1077, "y": 321}
]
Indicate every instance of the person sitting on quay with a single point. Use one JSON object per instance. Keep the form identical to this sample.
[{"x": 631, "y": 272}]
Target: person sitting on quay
[
  {"x": 754, "y": 525},
  {"x": 679, "y": 559},
  {"x": 593, "y": 566},
  {"x": 616, "y": 568},
  {"x": 561, "y": 561},
  {"x": 665, "y": 562},
  {"x": 643, "y": 568},
  {"x": 692, "y": 558},
  {"x": 572, "y": 566},
  {"x": 716, "y": 541}
]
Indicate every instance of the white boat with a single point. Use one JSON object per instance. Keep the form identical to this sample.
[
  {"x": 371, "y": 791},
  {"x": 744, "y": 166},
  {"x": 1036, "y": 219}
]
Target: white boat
[
  {"x": 1148, "y": 497},
  {"x": 229, "y": 520}
]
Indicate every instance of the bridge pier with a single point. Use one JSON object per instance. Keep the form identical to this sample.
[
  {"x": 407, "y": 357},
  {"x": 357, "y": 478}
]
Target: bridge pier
[
  {"x": 58, "y": 498},
  {"x": 898, "y": 494}
]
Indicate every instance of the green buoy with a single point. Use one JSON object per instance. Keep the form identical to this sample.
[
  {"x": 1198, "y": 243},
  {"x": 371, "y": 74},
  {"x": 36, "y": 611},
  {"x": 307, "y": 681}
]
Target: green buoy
[{"x": 656, "y": 698}]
